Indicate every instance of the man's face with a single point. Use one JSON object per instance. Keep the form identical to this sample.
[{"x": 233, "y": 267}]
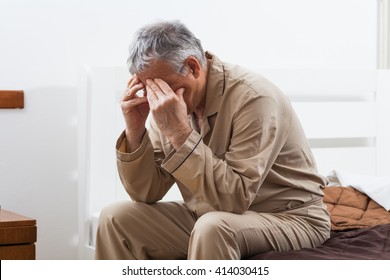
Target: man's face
[{"x": 164, "y": 71}]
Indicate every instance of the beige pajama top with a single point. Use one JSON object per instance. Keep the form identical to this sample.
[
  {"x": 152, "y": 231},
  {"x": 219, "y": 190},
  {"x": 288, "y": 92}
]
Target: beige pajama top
[{"x": 251, "y": 152}]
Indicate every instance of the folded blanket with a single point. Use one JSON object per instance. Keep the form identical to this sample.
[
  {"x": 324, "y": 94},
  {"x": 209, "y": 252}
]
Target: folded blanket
[
  {"x": 376, "y": 187},
  {"x": 351, "y": 209}
]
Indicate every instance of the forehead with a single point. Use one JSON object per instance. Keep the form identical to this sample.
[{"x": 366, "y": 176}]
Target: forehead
[{"x": 158, "y": 69}]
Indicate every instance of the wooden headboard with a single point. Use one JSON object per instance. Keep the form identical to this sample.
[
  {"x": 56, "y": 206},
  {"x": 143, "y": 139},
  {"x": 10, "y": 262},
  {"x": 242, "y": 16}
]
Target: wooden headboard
[{"x": 11, "y": 99}]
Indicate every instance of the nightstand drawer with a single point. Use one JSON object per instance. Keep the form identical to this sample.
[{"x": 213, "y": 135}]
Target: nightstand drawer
[
  {"x": 17, "y": 252},
  {"x": 18, "y": 235}
]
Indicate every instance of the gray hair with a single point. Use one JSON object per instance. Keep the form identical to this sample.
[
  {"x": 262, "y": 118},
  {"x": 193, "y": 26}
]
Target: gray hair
[{"x": 170, "y": 41}]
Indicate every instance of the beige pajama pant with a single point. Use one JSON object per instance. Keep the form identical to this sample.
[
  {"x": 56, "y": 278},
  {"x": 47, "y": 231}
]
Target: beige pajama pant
[{"x": 169, "y": 230}]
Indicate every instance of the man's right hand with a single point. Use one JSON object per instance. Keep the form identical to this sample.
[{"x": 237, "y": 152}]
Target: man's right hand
[{"x": 135, "y": 110}]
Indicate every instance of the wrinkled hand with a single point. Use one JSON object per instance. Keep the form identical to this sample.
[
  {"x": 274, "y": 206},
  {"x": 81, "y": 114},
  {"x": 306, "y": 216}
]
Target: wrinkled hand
[
  {"x": 169, "y": 111},
  {"x": 135, "y": 110}
]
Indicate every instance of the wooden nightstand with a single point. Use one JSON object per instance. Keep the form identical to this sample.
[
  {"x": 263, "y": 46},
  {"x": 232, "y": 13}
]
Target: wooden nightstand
[{"x": 18, "y": 235}]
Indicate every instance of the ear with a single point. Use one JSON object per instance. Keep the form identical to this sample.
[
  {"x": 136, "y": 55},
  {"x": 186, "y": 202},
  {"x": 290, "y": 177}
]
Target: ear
[{"x": 193, "y": 66}]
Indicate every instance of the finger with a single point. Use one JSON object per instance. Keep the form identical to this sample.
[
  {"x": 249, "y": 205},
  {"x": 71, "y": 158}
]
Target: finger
[
  {"x": 155, "y": 88},
  {"x": 180, "y": 93},
  {"x": 131, "y": 92},
  {"x": 133, "y": 80},
  {"x": 151, "y": 96},
  {"x": 165, "y": 88},
  {"x": 129, "y": 82},
  {"x": 129, "y": 104}
]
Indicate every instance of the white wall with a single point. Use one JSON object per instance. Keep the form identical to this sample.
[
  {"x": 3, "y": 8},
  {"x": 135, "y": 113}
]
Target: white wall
[{"x": 44, "y": 43}]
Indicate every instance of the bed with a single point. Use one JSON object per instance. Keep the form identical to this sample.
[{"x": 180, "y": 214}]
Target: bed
[
  {"x": 360, "y": 230},
  {"x": 355, "y": 244},
  {"x": 340, "y": 110}
]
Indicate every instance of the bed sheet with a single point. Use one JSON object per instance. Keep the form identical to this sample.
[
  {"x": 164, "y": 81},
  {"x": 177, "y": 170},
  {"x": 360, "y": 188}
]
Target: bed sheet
[
  {"x": 360, "y": 230},
  {"x": 356, "y": 244}
]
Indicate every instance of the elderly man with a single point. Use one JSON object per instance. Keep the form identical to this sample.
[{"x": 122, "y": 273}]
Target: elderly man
[{"x": 229, "y": 139}]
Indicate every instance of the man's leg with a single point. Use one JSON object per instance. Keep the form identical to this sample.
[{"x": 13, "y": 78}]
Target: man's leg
[
  {"x": 134, "y": 230},
  {"x": 223, "y": 235}
]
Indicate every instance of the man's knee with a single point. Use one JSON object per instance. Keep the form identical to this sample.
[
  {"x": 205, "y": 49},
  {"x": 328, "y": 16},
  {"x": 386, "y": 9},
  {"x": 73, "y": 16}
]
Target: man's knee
[
  {"x": 213, "y": 226},
  {"x": 213, "y": 238},
  {"x": 119, "y": 212}
]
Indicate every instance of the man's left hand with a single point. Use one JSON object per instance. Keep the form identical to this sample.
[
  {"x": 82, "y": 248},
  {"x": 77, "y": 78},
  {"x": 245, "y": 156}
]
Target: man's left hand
[{"x": 169, "y": 111}]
